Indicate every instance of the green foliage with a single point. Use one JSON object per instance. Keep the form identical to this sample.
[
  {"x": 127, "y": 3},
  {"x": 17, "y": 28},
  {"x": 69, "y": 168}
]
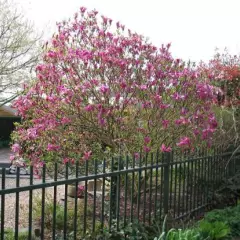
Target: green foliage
[
  {"x": 214, "y": 230},
  {"x": 177, "y": 234},
  {"x": 187, "y": 234},
  {"x": 229, "y": 216},
  {"x": 132, "y": 231},
  {"x": 48, "y": 215},
  {"x": 10, "y": 235}
]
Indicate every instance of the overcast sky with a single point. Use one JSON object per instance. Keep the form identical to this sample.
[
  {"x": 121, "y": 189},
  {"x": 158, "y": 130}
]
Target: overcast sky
[{"x": 194, "y": 27}]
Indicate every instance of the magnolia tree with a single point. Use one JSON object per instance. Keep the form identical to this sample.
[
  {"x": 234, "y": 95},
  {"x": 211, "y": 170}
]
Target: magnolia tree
[{"x": 103, "y": 90}]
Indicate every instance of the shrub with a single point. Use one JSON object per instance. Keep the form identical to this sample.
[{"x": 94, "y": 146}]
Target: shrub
[
  {"x": 214, "y": 230},
  {"x": 230, "y": 216}
]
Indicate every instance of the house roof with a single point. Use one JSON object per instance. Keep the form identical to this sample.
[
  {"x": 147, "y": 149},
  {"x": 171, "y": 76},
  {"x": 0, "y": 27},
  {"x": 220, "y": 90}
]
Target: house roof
[{"x": 6, "y": 111}]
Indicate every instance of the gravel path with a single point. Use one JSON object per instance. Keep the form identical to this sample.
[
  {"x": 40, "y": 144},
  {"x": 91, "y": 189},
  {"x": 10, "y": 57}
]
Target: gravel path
[{"x": 10, "y": 201}]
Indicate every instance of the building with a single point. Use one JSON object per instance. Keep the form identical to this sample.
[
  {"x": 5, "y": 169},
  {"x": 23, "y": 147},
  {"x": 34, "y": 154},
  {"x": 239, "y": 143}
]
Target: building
[{"x": 7, "y": 119}]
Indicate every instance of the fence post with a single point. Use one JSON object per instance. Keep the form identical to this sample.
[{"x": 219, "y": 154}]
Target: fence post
[
  {"x": 231, "y": 167},
  {"x": 166, "y": 161}
]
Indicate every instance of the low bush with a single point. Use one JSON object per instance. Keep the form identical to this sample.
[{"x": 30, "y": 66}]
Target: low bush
[
  {"x": 213, "y": 230},
  {"x": 230, "y": 216}
]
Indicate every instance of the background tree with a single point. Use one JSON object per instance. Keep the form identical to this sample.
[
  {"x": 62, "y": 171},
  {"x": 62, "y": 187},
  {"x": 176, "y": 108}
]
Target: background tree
[
  {"x": 224, "y": 72},
  {"x": 19, "y": 50}
]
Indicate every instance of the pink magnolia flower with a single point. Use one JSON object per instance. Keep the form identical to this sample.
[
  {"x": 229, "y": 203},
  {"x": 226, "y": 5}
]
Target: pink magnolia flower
[
  {"x": 52, "y": 147},
  {"x": 89, "y": 108},
  {"x": 146, "y": 149},
  {"x": 184, "y": 141},
  {"x": 52, "y": 54},
  {"x": 80, "y": 190},
  {"x": 143, "y": 87},
  {"x": 87, "y": 155},
  {"x": 16, "y": 148},
  {"x": 32, "y": 133},
  {"x": 104, "y": 89},
  {"x": 147, "y": 140},
  {"x": 83, "y": 9},
  {"x": 136, "y": 155},
  {"x": 177, "y": 96},
  {"x": 181, "y": 121},
  {"x": 183, "y": 111},
  {"x": 165, "y": 149},
  {"x": 65, "y": 120},
  {"x": 65, "y": 160},
  {"x": 165, "y": 123},
  {"x": 12, "y": 157}
]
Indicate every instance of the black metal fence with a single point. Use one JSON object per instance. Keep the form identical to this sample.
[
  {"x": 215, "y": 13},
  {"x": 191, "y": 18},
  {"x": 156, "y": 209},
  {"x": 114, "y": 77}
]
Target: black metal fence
[{"x": 70, "y": 202}]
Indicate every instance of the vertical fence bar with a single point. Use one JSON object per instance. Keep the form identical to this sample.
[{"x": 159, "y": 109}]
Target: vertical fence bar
[
  {"x": 188, "y": 200},
  {"x": 103, "y": 194},
  {"x": 209, "y": 172},
  {"x": 192, "y": 187},
  {"x": 203, "y": 180},
  {"x": 85, "y": 200},
  {"x": 166, "y": 183},
  {"x": 17, "y": 204},
  {"x": 43, "y": 202},
  {"x": 161, "y": 188},
  {"x": 94, "y": 197},
  {"x": 132, "y": 189},
  {"x": 212, "y": 162},
  {"x": 3, "y": 203},
  {"x": 139, "y": 187},
  {"x": 204, "y": 170},
  {"x": 156, "y": 185},
  {"x": 220, "y": 159},
  {"x": 125, "y": 192},
  {"x": 195, "y": 185},
  {"x": 150, "y": 193},
  {"x": 118, "y": 196},
  {"x": 175, "y": 189},
  {"x": 65, "y": 204},
  {"x": 112, "y": 203},
  {"x": 75, "y": 203},
  {"x": 184, "y": 203},
  {"x": 199, "y": 193},
  {"x": 30, "y": 205},
  {"x": 144, "y": 189},
  {"x": 171, "y": 181},
  {"x": 54, "y": 201},
  {"x": 179, "y": 188}
]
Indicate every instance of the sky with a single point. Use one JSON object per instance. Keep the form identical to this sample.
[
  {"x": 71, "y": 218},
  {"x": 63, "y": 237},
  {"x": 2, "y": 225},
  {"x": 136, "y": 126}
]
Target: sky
[{"x": 195, "y": 28}]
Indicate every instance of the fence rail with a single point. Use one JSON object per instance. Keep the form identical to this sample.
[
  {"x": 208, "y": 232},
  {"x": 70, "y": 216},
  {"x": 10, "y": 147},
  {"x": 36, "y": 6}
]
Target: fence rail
[{"x": 70, "y": 202}]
